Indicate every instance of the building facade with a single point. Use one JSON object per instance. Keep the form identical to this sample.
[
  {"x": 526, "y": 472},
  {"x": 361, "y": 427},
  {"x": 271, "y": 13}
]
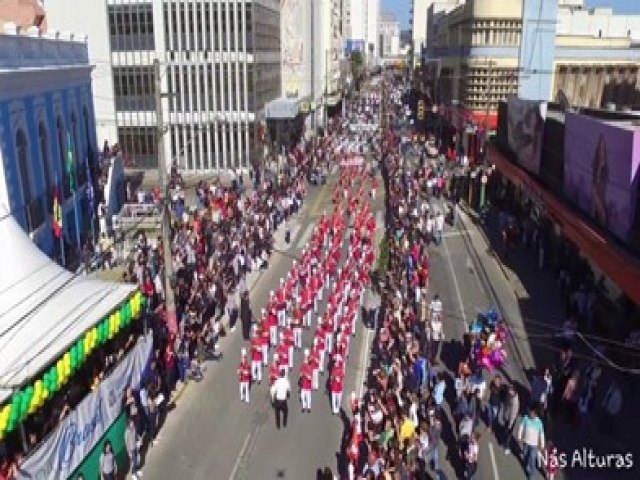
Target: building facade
[
  {"x": 419, "y": 11},
  {"x": 361, "y": 18},
  {"x": 46, "y": 118},
  {"x": 388, "y": 35},
  {"x": 220, "y": 66},
  {"x": 490, "y": 50}
]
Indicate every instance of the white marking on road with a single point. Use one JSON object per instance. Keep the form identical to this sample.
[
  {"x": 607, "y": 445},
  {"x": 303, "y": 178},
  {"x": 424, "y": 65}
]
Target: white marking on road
[
  {"x": 305, "y": 238},
  {"x": 455, "y": 278},
  {"x": 236, "y": 465},
  {"x": 362, "y": 367},
  {"x": 494, "y": 465}
]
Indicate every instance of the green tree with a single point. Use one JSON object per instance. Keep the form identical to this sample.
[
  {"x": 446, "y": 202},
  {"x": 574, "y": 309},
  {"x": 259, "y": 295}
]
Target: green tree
[{"x": 357, "y": 68}]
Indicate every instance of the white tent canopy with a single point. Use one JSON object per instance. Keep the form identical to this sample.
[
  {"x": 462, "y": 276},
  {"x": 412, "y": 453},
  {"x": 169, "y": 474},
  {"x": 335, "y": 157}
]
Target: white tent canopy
[{"x": 43, "y": 307}]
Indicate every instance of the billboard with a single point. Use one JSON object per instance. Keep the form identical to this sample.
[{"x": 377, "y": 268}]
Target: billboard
[
  {"x": 294, "y": 52},
  {"x": 353, "y": 45},
  {"x": 525, "y": 128},
  {"x": 601, "y": 161}
]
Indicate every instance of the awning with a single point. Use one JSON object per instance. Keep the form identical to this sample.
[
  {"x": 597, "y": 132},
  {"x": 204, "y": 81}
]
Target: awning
[
  {"x": 282, "y": 108},
  {"x": 618, "y": 265}
]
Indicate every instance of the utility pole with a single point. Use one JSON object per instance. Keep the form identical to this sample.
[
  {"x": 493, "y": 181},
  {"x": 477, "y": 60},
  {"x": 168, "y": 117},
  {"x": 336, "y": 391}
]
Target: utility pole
[{"x": 169, "y": 294}]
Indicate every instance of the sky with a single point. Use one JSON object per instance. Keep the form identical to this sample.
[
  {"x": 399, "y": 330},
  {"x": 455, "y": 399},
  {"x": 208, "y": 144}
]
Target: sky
[{"x": 401, "y": 8}]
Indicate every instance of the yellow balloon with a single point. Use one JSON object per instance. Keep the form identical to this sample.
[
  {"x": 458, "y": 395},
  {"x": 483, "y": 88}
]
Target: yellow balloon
[
  {"x": 39, "y": 385},
  {"x": 45, "y": 394},
  {"x": 6, "y": 411}
]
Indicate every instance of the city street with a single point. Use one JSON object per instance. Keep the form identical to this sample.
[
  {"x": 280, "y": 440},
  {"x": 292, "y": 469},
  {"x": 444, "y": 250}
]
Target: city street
[{"x": 212, "y": 435}]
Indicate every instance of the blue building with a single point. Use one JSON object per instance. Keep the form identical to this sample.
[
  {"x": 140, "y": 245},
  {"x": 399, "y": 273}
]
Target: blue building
[{"x": 47, "y": 135}]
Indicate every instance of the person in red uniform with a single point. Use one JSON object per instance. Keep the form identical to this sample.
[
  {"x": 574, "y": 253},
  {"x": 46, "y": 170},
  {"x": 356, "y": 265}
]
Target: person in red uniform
[
  {"x": 272, "y": 322},
  {"x": 314, "y": 361},
  {"x": 318, "y": 342},
  {"x": 336, "y": 385},
  {"x": 274, "y": 370},
  {"x": 256, "y": 357},
  {"x": 306, "y": 374},
  {"x": 288, "y": 338},
  {"x": 296, "y": 324},
  {"x": 283, "y": 354},
  {"x": 244, "y": 376},
  {"x": 264, "y": 342}
]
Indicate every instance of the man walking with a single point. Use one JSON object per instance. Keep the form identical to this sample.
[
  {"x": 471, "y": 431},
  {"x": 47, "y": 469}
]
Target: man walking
[
  {"x": 131, "y": 442},
  {"x": 244, "y": 375},
  {"x": 280, "y": 391},
  {"x": 531, "y": 434},
  {"x": 510, "y": 410}
]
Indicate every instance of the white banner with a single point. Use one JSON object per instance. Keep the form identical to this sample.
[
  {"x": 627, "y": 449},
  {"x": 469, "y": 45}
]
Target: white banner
[
  {"x": 352, "y": 162},
  {"x": 76, "y": 436}
]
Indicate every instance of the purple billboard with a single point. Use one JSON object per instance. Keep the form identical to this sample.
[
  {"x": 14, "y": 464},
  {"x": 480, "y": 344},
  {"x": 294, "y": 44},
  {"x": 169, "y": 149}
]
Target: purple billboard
[
  {"x": 526, "y": 126},
  {"x": 601, "y": 162}
]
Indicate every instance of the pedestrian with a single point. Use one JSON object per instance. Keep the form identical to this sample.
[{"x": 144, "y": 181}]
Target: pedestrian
[
  {"x": 246, "y": 315},
  {"x": 493, "y": 402},
  {"x": 108, "y": 463},
  {"x": 131, "y": 443},
  {"x": 471, "y": 457},
  {"x": 510, "y": 412},
  {"x": 244, "y": 376},
  {"x": 531, "y": 435},
  {"x": 280, "y": 391},
  {"x": 306, "y": 376}
]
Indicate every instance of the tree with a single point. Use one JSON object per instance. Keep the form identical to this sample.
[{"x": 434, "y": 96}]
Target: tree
[{"x": 357, "y": 68}]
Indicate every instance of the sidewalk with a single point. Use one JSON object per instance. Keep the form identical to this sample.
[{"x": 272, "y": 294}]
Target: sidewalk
[{"x": 542, "y": 314}]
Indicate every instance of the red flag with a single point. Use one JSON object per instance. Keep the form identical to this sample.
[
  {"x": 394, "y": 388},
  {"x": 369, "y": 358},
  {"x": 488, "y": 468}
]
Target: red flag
[{"x": 57, "y": 213}]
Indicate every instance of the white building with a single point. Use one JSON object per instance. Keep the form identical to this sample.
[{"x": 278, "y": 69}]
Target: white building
[
  {"x": 576, "y": 20},
  {"x": 361, "y": 27},
  {"x": 388, "y": 35},
  {"x": 419, "y": 26},
  {"x": 220, "y": 63}
]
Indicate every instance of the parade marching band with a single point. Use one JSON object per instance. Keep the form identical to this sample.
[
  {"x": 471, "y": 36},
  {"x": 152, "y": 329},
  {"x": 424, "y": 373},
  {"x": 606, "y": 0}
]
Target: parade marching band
[{"x": 334, "y": 265}]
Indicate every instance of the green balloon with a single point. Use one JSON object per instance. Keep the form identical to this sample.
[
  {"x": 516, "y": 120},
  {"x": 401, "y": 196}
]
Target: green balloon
[{"x": 11, "y": 425}]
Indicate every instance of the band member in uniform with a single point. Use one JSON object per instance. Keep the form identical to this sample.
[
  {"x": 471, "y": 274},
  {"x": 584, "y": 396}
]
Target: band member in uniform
[
  {"x": 306, "y": 373},
  {"x": 244, "y": 376},
  {"x": 296, "y": 323},
  {"x": 288, "y": 338},
  {"x": 264, "y": 343},
  {"x": 274, "y": 370},
  {"x": 314, "y": 360},
  {"x": 283, "y": 354},
  {"x": 336, "y": 385},
  {"x": 256, "y": 357}
]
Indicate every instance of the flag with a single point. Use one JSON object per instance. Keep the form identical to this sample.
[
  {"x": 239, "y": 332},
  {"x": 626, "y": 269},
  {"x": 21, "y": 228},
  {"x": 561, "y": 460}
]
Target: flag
[
  {"x": 57, "y": 213},
  {"x": 91, "y": 194},
  {"x": 71, "y": 164}
]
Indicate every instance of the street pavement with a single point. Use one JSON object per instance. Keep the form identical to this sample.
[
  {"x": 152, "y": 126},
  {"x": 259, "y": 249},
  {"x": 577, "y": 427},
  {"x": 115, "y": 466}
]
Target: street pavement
[{"x": 212, "y": 435}]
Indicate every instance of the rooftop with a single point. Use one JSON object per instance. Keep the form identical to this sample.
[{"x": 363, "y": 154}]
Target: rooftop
[{"x": 31, "y": 48}]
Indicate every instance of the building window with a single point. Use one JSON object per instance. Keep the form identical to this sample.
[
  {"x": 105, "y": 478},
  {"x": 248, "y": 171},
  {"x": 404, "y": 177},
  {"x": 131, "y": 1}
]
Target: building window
[
  {"x": 78, "y": 156},
  {"x": 47, "y": 167},
  {"x": 22, "y": 156},
  {"x": 64, "y": 179}
]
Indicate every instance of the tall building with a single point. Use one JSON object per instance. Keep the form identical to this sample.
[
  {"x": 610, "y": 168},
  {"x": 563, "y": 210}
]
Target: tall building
[
  {"x": 532, "y": 48},
  {"x": 361, "y": 27},
  {"x": 419, "y": 10},
  {"x": 388, "y": 35},
  {"x": 47, "y": 133},
  {"x": 220, "y": 65}
]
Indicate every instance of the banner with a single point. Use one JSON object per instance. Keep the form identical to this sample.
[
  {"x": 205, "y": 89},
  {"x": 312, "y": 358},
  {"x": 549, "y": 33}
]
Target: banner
[
  {"x": 352, "y": 162},
  {"x": 600, "y": 171},
  {"x": 76, "y": 435},
  {"x": 526, "y": 126}
]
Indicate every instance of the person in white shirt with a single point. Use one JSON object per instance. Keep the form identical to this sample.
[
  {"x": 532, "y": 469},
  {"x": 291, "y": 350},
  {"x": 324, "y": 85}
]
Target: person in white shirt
[
  {"x": 280, "y": 391},
  {"x": 435, "y": 307},
  {"x": 439, "y": 225}
]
